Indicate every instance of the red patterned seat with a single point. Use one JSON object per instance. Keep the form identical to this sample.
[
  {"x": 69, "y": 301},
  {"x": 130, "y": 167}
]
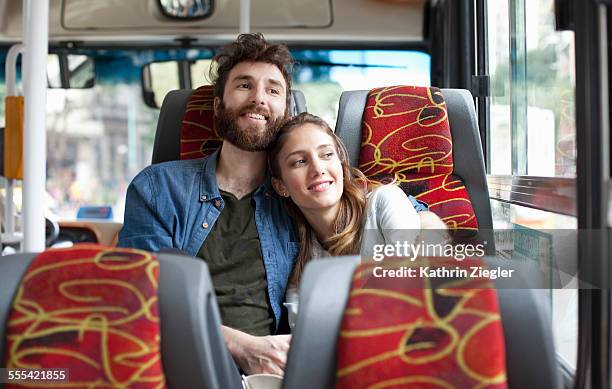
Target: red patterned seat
[
  {"x": 406, "y": 136},
  {"x": 92, "y": 310},
  {"x": 421, "y": 332},
  {"x": 98, "y": 310},
  {"x": 197, "y": 134}
]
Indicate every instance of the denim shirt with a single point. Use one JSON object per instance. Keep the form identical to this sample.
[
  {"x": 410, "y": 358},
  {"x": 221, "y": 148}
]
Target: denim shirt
[{"x": 175, "y": 204}]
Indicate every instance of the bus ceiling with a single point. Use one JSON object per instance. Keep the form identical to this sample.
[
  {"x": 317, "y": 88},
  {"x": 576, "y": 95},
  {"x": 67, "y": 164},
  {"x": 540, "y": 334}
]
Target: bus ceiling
[{"x": 400, "y": 21}]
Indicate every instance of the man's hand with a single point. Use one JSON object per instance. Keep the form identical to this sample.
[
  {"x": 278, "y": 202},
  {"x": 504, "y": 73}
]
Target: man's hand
[{"x": 258, "y": 354}]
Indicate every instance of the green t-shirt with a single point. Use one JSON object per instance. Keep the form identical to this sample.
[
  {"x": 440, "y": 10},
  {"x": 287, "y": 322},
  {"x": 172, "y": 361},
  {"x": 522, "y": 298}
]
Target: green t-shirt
[{"x": 233, "y": 254}]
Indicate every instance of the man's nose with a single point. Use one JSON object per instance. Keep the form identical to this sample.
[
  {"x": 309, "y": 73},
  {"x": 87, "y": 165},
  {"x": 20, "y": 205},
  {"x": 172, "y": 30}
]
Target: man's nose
[{"x": 258, "y": 95}]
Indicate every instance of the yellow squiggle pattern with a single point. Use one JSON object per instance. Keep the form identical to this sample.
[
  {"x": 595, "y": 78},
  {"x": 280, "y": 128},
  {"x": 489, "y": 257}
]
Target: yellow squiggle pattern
[
  {"x": 365, "y": 328},
  {"x": 404, "y": 136},
  {"x": 94, "y": 310}
]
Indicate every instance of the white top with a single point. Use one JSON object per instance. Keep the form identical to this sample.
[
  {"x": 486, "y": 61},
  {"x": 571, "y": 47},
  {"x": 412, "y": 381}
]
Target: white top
[{"x": 390, "y": 217}]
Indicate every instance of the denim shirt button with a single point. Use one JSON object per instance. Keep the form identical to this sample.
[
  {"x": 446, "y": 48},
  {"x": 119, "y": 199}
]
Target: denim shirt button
[
  {"x": 205, "y": 225},
  {"x": 203, "y": 198},
  {"x": 267, "y": 194}
]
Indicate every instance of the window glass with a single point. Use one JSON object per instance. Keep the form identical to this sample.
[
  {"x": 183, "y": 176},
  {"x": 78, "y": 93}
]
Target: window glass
[
  {"x": 499, "y": 70},
  {"x": 322, "y": 75},
  {"x": 164, "y": 78},
  {"x": 53, "y": 71},
  {"x": 200, "y": 72},
  {"x": 551, "y": 127},
  {"x": 81, "y": 71},
  {"x": 532, "y": 73},
  {"x": 548, "y": 226},
  {"x": 99, "y": 138}
]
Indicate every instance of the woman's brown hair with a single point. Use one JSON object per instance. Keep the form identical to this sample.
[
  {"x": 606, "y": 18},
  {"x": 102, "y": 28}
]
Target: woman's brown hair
[{"x": 347, "y": 226}]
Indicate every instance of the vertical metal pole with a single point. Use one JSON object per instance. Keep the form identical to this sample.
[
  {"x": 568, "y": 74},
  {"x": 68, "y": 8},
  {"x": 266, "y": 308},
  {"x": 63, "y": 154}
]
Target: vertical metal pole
[
  {"x": 11, "y": 90},
  {"x": 245, "y": 16},
  {"x": 35, "y": 136}
]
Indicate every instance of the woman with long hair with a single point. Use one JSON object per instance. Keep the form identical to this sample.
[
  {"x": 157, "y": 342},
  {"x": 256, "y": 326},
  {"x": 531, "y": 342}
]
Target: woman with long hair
[{"x": 331, "y": 202}]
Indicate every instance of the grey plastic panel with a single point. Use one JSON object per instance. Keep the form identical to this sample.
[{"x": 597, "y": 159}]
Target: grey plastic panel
[
  {"x": 323, "y": 295},
  {"x": 12, "y": 269},
  {"x": 166, "y": 146},
  {"x": 298, "y": 102},
  {"x": 468, "y": 158},
  {"x": 193, "y": 350},
  {"x": 348, "y": 125},
  {"x": 531, "y": 361}
]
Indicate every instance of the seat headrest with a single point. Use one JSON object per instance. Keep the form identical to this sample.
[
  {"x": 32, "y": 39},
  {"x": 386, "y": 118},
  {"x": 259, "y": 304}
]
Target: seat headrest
[
  {"x": 405, "y": 130},
  {"x": 410, "y": 134},
  {"x": 185, "y": 126}
]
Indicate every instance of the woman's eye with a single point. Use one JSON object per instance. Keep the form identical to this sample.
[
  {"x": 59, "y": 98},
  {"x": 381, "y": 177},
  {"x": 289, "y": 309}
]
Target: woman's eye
[
  {"x": 328, "y": 154},
  {"x": 275, "y": 91},
  {"x": 245, "y": 85},
  {"x": 298, "y": 163}
]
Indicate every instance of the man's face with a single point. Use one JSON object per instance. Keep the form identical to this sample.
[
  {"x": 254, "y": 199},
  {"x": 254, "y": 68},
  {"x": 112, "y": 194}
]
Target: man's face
[{"x": 253, "y": 107}]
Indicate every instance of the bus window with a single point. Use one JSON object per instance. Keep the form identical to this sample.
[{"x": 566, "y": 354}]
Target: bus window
[
  {"x": 199, "y": 72},
  {"x": 164, "y": 78},
  {"x": 532, "y": 86},
  {"x": 99, "y": 138},
  {"x": 322, "y": 75},
  {"x": 532, "y": 142}
]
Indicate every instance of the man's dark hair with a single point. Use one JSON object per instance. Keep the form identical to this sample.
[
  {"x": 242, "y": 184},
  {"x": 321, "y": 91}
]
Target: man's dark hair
[{"x": 250, "y": 48}]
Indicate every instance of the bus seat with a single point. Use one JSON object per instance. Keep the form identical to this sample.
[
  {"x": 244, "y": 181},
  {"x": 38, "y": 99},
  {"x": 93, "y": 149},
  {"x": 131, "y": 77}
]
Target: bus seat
[
  {"x": 185, "y": 125},
  {"x": 324, "y": 291},
  {"x": 193, "y": 354},
  {"x": 437, "y": 157}
]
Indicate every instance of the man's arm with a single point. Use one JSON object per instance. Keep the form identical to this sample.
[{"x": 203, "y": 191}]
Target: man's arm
[
  {"x": 143, "y": 227},
  {"x": 257, "y": 354}
]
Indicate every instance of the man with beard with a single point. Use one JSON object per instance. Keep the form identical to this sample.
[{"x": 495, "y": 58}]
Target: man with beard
[{"x": 222, "y": 208}]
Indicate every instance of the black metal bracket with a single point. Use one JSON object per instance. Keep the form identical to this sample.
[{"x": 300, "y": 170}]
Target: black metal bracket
[{"x": 481, "y": 86}]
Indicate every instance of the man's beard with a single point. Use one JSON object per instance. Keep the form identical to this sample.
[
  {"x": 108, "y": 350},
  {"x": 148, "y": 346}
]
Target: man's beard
[{"x": 250, "y": 138}]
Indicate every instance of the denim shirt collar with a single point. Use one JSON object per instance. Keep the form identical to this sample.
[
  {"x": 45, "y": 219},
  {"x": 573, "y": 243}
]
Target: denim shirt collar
[{"x": 209, "y": 189}]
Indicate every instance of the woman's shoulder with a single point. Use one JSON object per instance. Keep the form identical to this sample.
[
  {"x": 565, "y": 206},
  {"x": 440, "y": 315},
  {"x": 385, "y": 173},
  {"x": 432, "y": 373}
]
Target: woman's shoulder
[{"x": 386, "y": 193}]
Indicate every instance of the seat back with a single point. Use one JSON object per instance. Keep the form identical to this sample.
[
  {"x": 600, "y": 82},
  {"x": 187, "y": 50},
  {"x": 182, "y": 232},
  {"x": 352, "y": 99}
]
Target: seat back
[
  {"x": 192, "y": 348},
  {"x": 185, "y": 125},
  {"x": 428, "y": 140},
  {"x": 324, "y": 293}
]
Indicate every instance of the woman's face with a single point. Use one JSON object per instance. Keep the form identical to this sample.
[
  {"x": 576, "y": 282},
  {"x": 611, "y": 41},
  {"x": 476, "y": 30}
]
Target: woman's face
[{"x": 310, "y": 169}]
